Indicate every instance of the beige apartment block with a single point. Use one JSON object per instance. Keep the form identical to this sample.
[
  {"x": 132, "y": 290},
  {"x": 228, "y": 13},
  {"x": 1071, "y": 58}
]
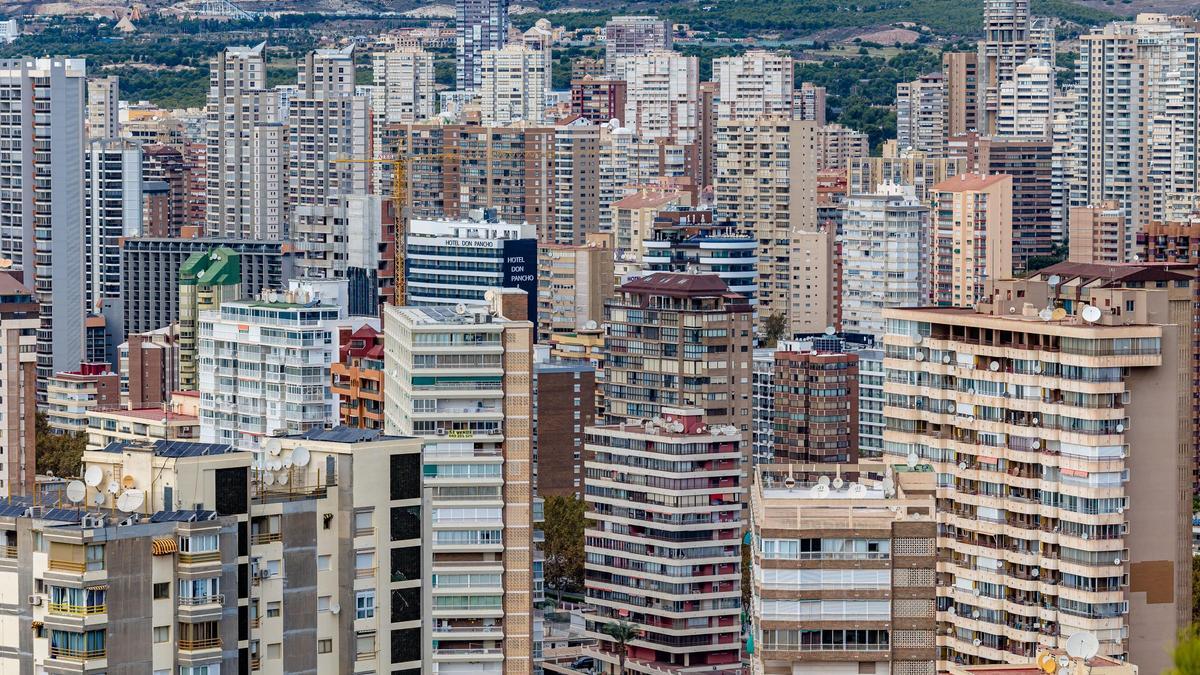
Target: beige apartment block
[{"x": 972, "y": 238}]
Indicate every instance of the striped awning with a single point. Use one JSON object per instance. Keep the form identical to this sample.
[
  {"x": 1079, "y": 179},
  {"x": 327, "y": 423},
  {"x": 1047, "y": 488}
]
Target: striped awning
[
  {"x": 36, "y": 624},
  {"x": 98, "y": 587},
  {"x": 164, "y": 546}
]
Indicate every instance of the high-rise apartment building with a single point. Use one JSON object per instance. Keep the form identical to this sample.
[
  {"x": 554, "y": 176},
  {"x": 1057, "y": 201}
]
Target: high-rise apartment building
[
  {"x": 206, "y": 281},
  {"x": 103, "y": 107},
  {"x": 1025, "y": 107},
  {"x": 576, "y": 180},
  {"x": 869, "y": 174},
  {"x": 1134, "y": 128},
  {"x": 149, "y": 367},
  {"x": 166, "y": 164},
  {"x": 288, "y": 340},
  {"x": 480, "y": 25},
  {"x": 18, "y": 334},
  {"x": 663, "y": 543},
  {"x": 1011, "y": 38},
  {"x": 766, "y": 183},
  {"x": 540, "y": 37},
  {"x": 404, "y": 82},
  {"x": 808, "y": 103},
  {"x": 150, "y": 274},
  {"x": 507, "y": 169},
  {"x": 71, "y": 395},
  {"x": 573, "y": 282},
  {"x": 114, "y": 210},
  {"x": 1036, "y": 229},
  {"x": 885, "y": 256},
  {"x": 1098, "y": 234},
  {"x": 513, "y": 86},
  {"x": 564, "y": 395},
  {"x": 678, "y": 340},
  {"x": 358, "y": 377},
  {"x": 626, "y": 36},
  {"x": 327, "y": 121},
  {"x": 238, "y": 105},
  {"x": 463, "y": 383},
  {"x": 960, "y": 73},
  {"x": 837, "y": 145},
  {"x": 815, "y": 410},
  {"x": 846, "y": 572},
  {"x": 662, "y": 96},
  {"x": 598, "y": 100},
  {"x": 1104, "y": 439},
  {"x": 51, "y": 157},
  {"x": 921, "y": 114},
  {"x": 684, "y": 241},
  {"x": 971, "y": 236},
  {"x": 755, "y": 84}
]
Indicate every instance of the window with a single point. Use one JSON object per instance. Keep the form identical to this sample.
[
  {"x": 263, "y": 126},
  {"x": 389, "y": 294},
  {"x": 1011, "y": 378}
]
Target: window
[
  {"x": 95, "y": 557},
  {"x": 272, "y": 609},
  {"x": 162, "y": 633},
  {"x": 273, "y": 650},
  {"x": 324, "y": 646},
  {"x": 323, "y": 603},
  {"x": 198, "y": 543},
  {"x": 162, "y": 591},
  {"x": 365, "y": 644},
  {"x": 364, "y": 521},
  {"x": 324, "y": 563},
  {"x": 364, "y": 561},
  {"x": 364, "y": 605},
  {"x": 211, "y": 669}
]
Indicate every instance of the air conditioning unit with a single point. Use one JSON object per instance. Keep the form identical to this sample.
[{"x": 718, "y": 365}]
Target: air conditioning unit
[
  {"x": 441, "y": 431},
  {"x": 35, "y": 600},
  {"x": 264, "y": 573}
]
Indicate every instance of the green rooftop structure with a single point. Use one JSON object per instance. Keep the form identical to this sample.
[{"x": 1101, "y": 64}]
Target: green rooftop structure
[{"x": 207, "y": 279}]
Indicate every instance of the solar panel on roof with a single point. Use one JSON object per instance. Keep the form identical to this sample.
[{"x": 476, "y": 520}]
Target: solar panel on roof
[
  {"x": 66, "y": 515},
  {"x": 11, "y": 510}
]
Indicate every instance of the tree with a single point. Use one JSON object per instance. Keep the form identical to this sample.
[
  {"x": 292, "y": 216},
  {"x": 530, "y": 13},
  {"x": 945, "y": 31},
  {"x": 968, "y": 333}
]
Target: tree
[
  {"x": 623, "y": 632},
  {"x": 1195, "y": 589},
  {"x": 566, "y": 519},
  {"x": 1186, "y": 657},
  {"x": 774, "y": 328},
  {"x": 59, "y": 454}
]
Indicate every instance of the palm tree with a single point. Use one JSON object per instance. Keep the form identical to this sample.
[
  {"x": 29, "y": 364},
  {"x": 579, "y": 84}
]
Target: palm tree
[{"x": 622, "y": 632}]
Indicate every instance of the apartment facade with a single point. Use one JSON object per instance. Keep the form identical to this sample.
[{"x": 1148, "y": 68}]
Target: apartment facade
[
  {"x": 358, "y": 377},
  {"x": 18, "y": 377},
  {"x": 114, "y": 204},
  {"x": 755, "y": 84},
  {"x": 1098, "y": 234},
  {"x": 463, "y": 384},
  {"x": 573, "y": 282},
  {"x": 206, "y": 281},
  {"x": 626, "y": 36},
  {"x": 666, "y": 562},
  {"x": 815, "y": 408},
  {"x": 972, "y": 234},
  {"x": 921, "y": 114},
  {"x": 1060, "y": 489},
  {"x": 480, "y": 25},
  {"x": 404, "y": 82},
  {"x": 513, "y": 86},
  {"x": 662, "y": 96}
]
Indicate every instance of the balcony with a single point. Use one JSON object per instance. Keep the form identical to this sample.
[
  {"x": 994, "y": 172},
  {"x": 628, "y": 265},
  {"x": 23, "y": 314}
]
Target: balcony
[
  {"x": 218, "y": 599},
  {"x": 265, "y": 538},
  {"x": 469, "y": 654},
  {"x": 67, "y": 566},
  {"x": 68, "y": 609},
  {"x": 70, "y": 654},
  {"x": 199, "y": 644},
  {"x": 199, "y": 558}
]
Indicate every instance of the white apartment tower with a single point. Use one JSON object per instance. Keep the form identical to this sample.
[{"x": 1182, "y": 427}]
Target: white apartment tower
[
  {"x": 327, "y": 122},
  {"x": 463, "y": 382},
  {"x": 1026, "y": 102},
  {"x": 885, "y": 253},
  {"x": 1134, "y": 130},
  {"x": 238, "y": 102},
  {"x": 103, "y": 106},
  {"x": 756, "y": 84},
  {"x": 921, "y": 115},
  {"x": 513, "y": 86},
  {"x": 633, "y": 36},
  {"x": 114, "y": 211},
  {"x": 42, "y": 231},
  {"x": 403, "y": 86},
  {"x": 481, "y": 25},
  {"x": 1011, "y": 38},
  {"x": 662, "y": 99}
]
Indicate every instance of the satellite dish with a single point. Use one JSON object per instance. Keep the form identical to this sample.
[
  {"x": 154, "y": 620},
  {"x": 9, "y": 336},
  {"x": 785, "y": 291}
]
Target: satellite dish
[
  {"x": 917, "y": 339},
  {"x": 1064, "y": 661},
  {"x": 1090, "y": 313},
  {"x": 946, "y": 358},
  {"x": 300, "y": 456},
  {"x": 920, "y": 356},
  {"x": 1120, "y": 428},
  {"x": 335, "y": 608},
  {"x": 268, "y": 479},
  {"x": 1012, "y": 309},
  {"x": 1082, "y": 646},
  {"x": 591, "y": 325},
  {"x": 994, "y": 366},
  {"x": 975, "y": 614},
  {"x": 1035, "y": 572},
  {"x": 93, "y": 476},
  {"x": 962, "y": 466},
  {"x": 134, "y": 500},
  {"x": 460, "y": 309},
  {"x": 98, "y": 500},
  {"x": 113, "y": 487},
  {"x": 128, "y": 482},
  {"x": 1058, "y": 314},
  {"x": 823, "y": 481},
  {"x": 273, "y": 446},
  {"x": 287, "y": 462},
  {"x": 889, "y": 485},
  {"x": 912, "y": 459},
  {"x": 838, "y": 483},
  {"x": 5, "y": 263},
  {"x": 1046, "y": 314},
  {"x": 276, "y": 465},
  {"x": 283, "y": 479},
  {"x": 1054, "y": 280},
  {"x": 820, "y": 492},
  {"x": 490, "y": 295},
  {"x": 76, "y": 491},
  {"x": 858, "y": 490},
  {"x": 830, "y": 330}
]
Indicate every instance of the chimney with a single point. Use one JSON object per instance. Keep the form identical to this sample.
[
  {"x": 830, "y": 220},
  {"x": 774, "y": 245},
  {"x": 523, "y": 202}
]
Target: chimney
[{"x": 514, "y": 304}]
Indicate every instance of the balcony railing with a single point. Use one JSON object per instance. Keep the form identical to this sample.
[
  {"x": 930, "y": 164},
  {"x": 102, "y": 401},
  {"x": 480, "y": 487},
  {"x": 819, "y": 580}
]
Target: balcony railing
[
  {"x": 265, "y": 538},
  {"x": 76, "y": 610},
  {"x": 67, "y": 566},
  {"x": 70, "y": 654},
  {"x": 8, "y": 551},
  {"x": 218, "y": 599},
  {"x": 196, "y": 558},
  {"x": 364, "y": 572},
  {"x": 195, "y": 645}
]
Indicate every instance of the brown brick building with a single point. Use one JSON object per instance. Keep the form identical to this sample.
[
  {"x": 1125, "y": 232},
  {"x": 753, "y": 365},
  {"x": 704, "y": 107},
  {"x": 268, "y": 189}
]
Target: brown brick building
[
  {"x": 564, "y": 404},
  {"x": 358, "y": 378},
  {"x": 598, "y": 100},
  {"x": 816, "y": 405}
]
